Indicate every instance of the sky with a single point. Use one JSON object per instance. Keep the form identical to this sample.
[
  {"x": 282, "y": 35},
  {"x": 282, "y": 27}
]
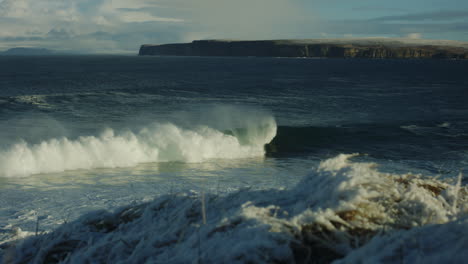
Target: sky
[{"x": 121, "y": 26}]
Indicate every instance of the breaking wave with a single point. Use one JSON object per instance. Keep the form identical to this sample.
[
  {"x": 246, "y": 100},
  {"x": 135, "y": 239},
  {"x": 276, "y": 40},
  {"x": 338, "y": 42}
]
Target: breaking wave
[{"x": 238, "y": 136}]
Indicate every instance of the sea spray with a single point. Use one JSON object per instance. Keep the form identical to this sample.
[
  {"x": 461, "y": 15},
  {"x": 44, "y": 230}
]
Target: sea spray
[{"x": 158, "y": 142}]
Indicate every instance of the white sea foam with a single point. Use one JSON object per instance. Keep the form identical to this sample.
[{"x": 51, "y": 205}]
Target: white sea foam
[
  {"x": 344, "y": 210},
  {"x": 159, "y": 142},
  {"x": 418, "y": 130},
  {"x": 444, "y": 125},
  {"x": 38, "y": 100}
]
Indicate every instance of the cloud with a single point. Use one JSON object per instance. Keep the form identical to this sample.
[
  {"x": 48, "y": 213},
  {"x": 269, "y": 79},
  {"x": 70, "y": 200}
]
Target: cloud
[
  {"x": 138, "y": 16},
  {"x": 359, "y": 27},
  {"x": 245, "y": 19},
  {"x": 447, "y": 15},
  {"x": 60, "y": 34},
  {"x": 379, "y": 8},
  {"x": 122, "y": 25},
  {"x": 414, "y": 36},
  {"x": 70, "y": 24},
  {"x": 449, "y": 23}
]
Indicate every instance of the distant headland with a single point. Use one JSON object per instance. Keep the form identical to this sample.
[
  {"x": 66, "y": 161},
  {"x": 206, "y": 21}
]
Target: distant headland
[
  {"x": 20, "y": 51},
  {"x": 319, "y": 48}
]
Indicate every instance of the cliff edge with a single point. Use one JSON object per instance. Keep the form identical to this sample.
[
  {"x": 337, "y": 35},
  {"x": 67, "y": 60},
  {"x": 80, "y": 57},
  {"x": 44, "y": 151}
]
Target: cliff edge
[{"x": 366, "y": 48}]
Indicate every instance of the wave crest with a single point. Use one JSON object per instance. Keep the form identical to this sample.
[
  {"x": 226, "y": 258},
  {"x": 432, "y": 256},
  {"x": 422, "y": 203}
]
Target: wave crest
[{"x": 160, "y": 142}]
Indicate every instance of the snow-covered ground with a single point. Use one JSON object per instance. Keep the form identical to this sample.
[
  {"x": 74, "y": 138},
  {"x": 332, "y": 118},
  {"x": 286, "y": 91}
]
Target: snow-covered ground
[{"x": 344, "y": 211}]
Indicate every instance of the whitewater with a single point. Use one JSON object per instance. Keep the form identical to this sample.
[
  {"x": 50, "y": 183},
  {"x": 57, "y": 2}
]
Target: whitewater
[
  {"x": 239, "y": 160},
  {"x": 160, "y": 142}
]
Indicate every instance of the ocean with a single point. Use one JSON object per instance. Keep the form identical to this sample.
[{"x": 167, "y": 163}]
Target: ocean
[{"x": 86, "y": 133}]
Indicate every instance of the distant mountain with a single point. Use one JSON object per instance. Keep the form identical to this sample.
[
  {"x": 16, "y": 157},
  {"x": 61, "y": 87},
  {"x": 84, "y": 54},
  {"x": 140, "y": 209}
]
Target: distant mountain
[{"x": 27, "y": 52}]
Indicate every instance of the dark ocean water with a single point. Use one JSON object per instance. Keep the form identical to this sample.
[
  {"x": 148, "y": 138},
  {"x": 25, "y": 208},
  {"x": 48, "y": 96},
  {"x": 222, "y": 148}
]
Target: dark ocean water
[{"x": 103, "y": 130}]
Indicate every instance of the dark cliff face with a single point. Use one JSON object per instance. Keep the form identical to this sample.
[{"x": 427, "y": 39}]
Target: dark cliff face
[{"x": 267, "y": 48}]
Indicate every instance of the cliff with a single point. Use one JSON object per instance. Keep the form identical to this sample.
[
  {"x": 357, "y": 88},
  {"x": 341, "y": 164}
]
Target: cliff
[{"x": 308, "y": 48}]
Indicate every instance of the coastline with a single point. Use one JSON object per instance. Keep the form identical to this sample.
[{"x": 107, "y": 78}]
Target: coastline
[{"x": 308, "y": 49}]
